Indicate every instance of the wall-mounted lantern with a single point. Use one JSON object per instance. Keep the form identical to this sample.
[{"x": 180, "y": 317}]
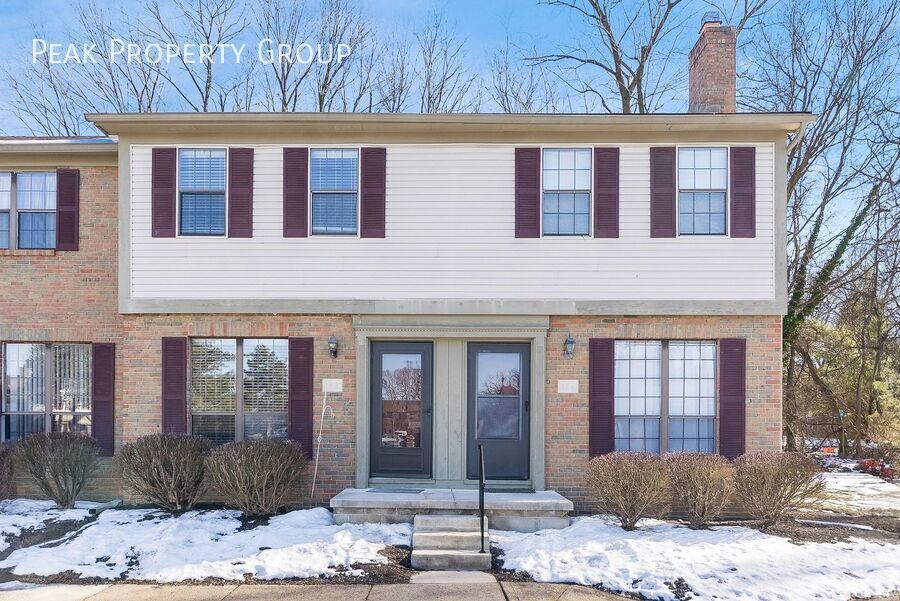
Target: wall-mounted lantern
[
  {"x": 569, "y": 347},
  {"x": 333, "y": 346}
]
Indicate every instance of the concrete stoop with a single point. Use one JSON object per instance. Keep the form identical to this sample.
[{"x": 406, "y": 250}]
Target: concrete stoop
[{"x": 449, "y": 542}]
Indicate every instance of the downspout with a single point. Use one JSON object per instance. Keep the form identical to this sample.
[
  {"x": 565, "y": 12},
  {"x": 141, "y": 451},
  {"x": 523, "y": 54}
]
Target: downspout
[{"x": 800, "y": 131}]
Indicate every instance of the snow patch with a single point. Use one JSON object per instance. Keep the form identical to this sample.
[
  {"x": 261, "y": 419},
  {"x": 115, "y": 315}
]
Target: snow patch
[
  {"x": 727, "y": 562},
  {"x": 857, "y": 492},
  {"x": 18, "y": 515},
  {"x": 149, "y": 544}
]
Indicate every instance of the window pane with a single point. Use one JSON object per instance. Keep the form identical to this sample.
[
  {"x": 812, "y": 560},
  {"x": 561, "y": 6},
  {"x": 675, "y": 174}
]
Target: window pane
[
  {"x": 701, "y": 212},
  {"x": 71, "y": 377},
  {"x": 72, "y": 422},
  {"x": 692, "y": 392},
  {"x": 265, "y": 425},
  {"x": 19, "y": 426},
  {"x": 37, "y": 230},
  {"x": 5, "y": 188},
  {"x": 36, "y": 191},
  {"x": 265, "y": 375},
  {"x": 498, "y": 418},
  {"x": 637, "y": 389},
  {"x": 203, "y": 214},
  {"x": 692, "y": 434},
  {"x": 702, "y": 168},
  {"x": 401, "y": 400},
  {"x": 217, "y": 428},
  {"x": 566, "y": 169},
  {"x": 23, "y": 374},
  {"x": 212, "y": 375},
  {"x": 334, "y": 213},
  {"x": 201, "y": 170},
  {"x": 334, "y": 169},
  {"x": 4, "y": 229},
  {"x": 498, "y": 374},
  {"x": 566, "y": 214}
]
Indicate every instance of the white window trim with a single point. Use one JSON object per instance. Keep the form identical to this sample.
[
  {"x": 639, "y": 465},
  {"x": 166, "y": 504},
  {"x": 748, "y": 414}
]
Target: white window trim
[
  {"x": 178, "y": 150},
  {"x": 727, "y": 233},
  {"x": 13, "y": 211},
  {"x": 590, "y": 234},
  {"x": 309, "y": 192}
]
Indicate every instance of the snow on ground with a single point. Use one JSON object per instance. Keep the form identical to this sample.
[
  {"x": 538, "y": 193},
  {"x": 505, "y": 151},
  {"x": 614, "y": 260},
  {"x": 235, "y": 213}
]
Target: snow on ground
[
  {"x": 727, "y": 562},
  {"x": 18, "y": 515},
  {"x": 148, "y": 544},
  {"x": 855, "y": 492}
]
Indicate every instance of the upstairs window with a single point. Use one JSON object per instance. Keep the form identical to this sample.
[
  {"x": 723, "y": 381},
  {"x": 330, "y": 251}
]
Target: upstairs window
[
  {"x": 201, "y": 187},
  {"x": 28, "y": 210},
  {"x": 226, "y": 406},
  {"x": 5, "y": 207},
  {"x": 334, "y": 185},
  {"x": 702, "y": 186},
  {"x": 566, "y": 181},
  {"x": 46, "y": 388}
]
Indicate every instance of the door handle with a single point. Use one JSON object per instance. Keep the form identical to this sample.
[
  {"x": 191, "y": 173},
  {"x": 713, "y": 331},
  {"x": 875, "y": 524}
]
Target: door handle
[{"x": 427, "y": 412}]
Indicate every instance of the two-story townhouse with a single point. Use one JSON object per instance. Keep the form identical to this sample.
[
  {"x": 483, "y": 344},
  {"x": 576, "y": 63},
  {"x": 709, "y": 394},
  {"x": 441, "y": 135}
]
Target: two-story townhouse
[{"x": 393, "y": 291}]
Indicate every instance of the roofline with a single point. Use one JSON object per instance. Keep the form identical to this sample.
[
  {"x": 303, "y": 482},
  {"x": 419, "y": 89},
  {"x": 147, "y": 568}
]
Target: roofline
[{"x": 455, "y": 123}]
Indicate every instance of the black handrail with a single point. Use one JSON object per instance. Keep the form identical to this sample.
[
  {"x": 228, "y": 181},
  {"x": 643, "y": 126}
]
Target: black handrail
[{"x": 481, "y": 485}]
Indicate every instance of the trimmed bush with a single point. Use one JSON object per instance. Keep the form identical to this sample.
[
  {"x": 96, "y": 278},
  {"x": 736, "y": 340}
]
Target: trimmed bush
[
  {"x": 701, "y": 484},
  {"x": 7, "y": 484},
  {"x": 256, "y": 476},
  {"x": 628, "y": 485},
  {"x": 60, "y": 463},
  {"x": 166, "y": 469},
  {"x": 770, "y": 483}
]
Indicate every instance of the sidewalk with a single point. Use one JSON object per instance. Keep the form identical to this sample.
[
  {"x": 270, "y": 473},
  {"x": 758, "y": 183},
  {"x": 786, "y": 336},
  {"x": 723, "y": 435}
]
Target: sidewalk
[{"x": 485, "y": 591}]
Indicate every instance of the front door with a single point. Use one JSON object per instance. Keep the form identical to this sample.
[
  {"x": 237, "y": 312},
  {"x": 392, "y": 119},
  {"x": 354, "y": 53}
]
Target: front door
[
  {"x": 402, "y": 397},
  {"x": 499, "y": 407}
]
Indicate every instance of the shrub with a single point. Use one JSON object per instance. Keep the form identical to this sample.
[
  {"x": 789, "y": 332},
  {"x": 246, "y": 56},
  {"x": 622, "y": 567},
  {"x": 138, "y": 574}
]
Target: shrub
[
  {"x": 701, "y": 483},
  {"x": 770, "y": 483},
  {"x": 7, "y": 485},
  {"x": 255, "y": 476},
  {"x": 166, "y": 469},
  {"x": 628, "y": 485},
  {"x": 60, "y": 463}
]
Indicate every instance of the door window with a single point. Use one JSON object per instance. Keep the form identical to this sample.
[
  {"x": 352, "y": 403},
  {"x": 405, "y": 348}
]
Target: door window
[
  {"x": 401, "y": 400},
  {"x": 498, "y": 403}
]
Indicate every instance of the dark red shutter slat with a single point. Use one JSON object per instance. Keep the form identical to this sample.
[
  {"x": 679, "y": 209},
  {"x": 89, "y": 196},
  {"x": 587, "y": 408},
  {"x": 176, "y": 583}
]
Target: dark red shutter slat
[
  {"x": 174, "y": 385},
  {"x": 103, "y": 387},
  {"x": 296, "y": 192},
  {"x": 163, "y": 192},
  {"x": 240, "y": 192},
  {"x": 373, "y": 168},
  {"x": 528, "y": 192},
  {"x": 601, "y": 375},
  {"x": 662, "y": 192},
  {"x": 743, "y": 192},
  {"x": 300, "y": 392},
  {"x": 68, "y": 185},
  {"x": 606, "y": 192},
  {"x": 732, "y": 396}
]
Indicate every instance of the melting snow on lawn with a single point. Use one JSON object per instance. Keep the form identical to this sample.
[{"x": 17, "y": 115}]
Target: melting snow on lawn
[
  {"x": 858, "y": 492},
  {"x": 18, "y": 515},
  {"x": 147, "y": 544},
  {"x": 728, "y": 562}
]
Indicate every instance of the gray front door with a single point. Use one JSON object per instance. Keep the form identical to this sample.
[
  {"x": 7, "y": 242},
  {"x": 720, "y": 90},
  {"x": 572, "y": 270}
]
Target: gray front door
[
  {"x": 402, "y": 398},
  {"x": 499, "y": 407}
]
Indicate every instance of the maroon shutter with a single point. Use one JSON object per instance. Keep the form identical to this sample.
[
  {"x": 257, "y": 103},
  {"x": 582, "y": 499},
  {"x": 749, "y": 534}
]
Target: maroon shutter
[
  {"x": 103, "y": 387},
  {"x": 743, "y": 192},
  {"x": 528, "y": 192},
  {"x": 662, "y": 192},
  {"x": 240, "y": 192},
  {"x": 601, "y": 373},
  {"x": 300, "y": 392},
  {"x": 163, "y": 185},
  {"x": 174, "y": 385},
  {"x": 373, "y": 166},
  {"x": 606, "y": 192},
  {"x": 296, "y": 192},
  {"x": 732, "y": 396},
  {"x": 68, "y": 184}
]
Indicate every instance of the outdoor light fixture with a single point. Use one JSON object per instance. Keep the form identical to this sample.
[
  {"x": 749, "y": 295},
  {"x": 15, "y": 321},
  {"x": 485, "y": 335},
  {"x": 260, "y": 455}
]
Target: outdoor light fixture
[
  {"x": 332, "y": 346},
  {"x": 569, "y": 347}
]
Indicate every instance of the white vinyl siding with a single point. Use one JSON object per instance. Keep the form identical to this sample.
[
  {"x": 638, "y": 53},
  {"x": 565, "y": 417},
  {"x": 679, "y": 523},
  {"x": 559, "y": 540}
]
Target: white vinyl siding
[{"x": 450, "y": 235}]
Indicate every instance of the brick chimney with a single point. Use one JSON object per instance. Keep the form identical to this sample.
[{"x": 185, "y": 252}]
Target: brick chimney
[{"x": 712, "y": 68}]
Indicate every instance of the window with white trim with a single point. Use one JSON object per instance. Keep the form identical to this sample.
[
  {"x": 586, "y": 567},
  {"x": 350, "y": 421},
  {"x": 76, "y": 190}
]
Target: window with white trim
[
  {"x": 334, "y": 186},
  {"x": 46, "y": 388},
  {"x": 566, "y": 199},
  {"x": 665, "y": 395},
  {"x": 201, "y": 191},
  {"x": 225, "y": 407},
  {"x": 702, "y": 189},
  {"x": 28, "y": 210}
]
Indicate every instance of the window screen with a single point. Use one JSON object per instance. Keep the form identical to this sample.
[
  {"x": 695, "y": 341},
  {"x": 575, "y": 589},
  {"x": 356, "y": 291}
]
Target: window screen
[
  {"x": 334, "y": 182},
  {"x": 201, "y": 181},
  {"x": 702, "y": 184},
  {"x": 566, "y": 181}
]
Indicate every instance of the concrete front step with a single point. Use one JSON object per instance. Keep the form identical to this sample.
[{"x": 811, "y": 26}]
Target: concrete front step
[
  {"x": 447, "y": 559},
  {"x": 448, "y": 523},
  {"x": 460, "y": 541}
]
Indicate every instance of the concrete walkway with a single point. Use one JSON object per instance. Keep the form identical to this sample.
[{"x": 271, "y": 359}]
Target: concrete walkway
[{"x": 463, "y": 590}]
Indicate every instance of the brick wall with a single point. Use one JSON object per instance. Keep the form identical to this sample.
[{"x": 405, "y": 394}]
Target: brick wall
[
  {"x": 567, "y": 414},
  {"x": 711, "y": 70}
]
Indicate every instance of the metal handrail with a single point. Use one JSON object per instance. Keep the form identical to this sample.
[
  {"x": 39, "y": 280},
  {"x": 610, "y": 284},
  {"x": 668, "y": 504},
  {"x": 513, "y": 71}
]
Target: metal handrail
[{"x": 481, "y": 485}]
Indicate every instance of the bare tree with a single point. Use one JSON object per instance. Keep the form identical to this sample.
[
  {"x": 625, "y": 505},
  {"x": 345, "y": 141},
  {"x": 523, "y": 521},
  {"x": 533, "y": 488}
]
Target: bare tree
[
  {"x": 210, "y": 23},
  {"x": 335, "y": 81},
  {"x": 284, "y": 22},
  {"x": 394, "y": 80},
  {"x": 444, "y": 83},
  {"x": 518, "y": 86}
]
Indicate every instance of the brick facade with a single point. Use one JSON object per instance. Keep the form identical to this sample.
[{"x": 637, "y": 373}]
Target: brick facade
[{"x": 711, "y": 75}]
